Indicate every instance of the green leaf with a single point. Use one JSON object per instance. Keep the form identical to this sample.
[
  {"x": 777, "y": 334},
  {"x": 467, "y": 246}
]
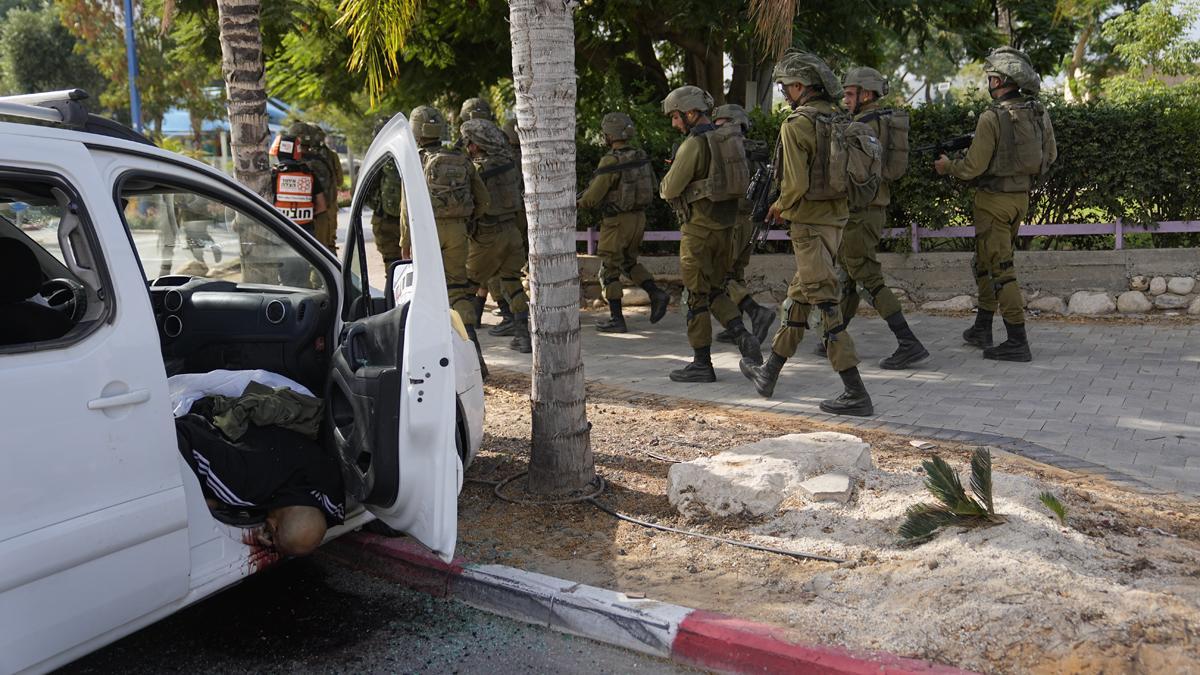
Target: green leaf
[
  {"x": 981, "y": 477},
  {"x": 1051, "y": 502},
  {"x": 922, "y": 521},
  {"x": 943, "y": 482}
]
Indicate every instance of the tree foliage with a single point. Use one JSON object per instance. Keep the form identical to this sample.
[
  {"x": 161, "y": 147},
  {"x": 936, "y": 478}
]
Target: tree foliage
[{"x": 37, "y": 53}]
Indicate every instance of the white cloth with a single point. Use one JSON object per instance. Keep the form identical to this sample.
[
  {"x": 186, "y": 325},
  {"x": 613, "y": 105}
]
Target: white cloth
[{"x": 188, "y": 388}]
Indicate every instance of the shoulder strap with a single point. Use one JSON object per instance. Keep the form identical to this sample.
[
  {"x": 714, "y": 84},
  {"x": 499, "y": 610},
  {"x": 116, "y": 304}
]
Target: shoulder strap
[
  {"x": 497, "y": 170},
  {"x": 621, "y": 166}
]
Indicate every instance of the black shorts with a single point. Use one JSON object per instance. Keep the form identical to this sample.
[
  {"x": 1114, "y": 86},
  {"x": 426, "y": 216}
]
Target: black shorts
[{"x": 268, "y": 467}]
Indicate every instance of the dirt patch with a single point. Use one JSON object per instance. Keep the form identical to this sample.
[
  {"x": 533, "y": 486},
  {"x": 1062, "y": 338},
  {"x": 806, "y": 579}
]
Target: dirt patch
[{"x": 1117, "y": 589}]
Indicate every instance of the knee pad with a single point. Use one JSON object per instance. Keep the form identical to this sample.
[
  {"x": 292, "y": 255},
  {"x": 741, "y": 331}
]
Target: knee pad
[
  {"x": 693, "y": 313},
  {"x": 795, "y": 315}
]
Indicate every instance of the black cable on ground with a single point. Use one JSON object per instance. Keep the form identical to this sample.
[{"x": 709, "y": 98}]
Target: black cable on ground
[{"x": 601, "y": 484}]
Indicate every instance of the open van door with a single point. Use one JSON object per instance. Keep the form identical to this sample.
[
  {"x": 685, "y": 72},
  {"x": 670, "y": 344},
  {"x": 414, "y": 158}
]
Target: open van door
[{"x": 391, "y": 391}]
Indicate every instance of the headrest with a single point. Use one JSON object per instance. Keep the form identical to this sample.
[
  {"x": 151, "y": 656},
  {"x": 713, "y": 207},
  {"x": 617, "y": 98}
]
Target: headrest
[{"x": 20, "y": 274}]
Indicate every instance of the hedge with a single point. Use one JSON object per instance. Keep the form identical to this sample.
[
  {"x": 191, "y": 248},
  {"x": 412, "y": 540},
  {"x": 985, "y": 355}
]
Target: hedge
[{"x": 1133, "y": 160}]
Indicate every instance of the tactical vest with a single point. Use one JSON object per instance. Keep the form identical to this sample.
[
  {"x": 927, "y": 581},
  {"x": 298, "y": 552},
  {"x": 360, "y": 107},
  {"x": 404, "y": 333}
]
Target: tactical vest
[
  {"x": 848, "y": 162},
  {"x": 635, "y": 188},
  {"x": 293, "y": 183},
  {"x": 448, "y": 175},
  {"x": 502, "y": 178},
  {"x": 1021, "y": 152},
  {"x": 892, "y": 130},
  {"x": 728, "y": 172}
]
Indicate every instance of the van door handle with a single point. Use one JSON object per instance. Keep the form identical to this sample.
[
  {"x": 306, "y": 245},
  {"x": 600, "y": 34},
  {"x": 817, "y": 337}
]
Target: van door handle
[{"x": 128, "y": 398}]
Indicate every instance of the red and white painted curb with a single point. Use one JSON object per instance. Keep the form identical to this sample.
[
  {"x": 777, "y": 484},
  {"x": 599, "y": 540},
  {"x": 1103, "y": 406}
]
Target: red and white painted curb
[{"x": 690, "y": 636}]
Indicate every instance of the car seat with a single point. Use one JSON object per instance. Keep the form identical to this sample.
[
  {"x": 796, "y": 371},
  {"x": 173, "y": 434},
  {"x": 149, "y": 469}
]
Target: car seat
[{"x": 22, "y": 320}]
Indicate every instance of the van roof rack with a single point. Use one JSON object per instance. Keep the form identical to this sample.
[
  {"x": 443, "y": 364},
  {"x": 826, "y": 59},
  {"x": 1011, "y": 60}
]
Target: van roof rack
[{"x": 66, "y": 108}]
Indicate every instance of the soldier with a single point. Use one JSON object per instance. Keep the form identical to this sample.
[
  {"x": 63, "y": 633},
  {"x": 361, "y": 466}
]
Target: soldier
[
  {"x": 325, "y": 163},
  {"x": 708, "y": 174},
  {"x": 495, "y": 243},
  {"x": 862, "y": 88},
  {"x": 385, "y": 214},
  {"x": 816, "y": 214},
  {"x": 757, "y": 155},
  {"x": 624, "y": 184},
  {"x": 475, "y": 109},
  {"x": 1014, "y": 143},
  {"x": 506, "y": 326},
  {"x": 457, "y": 194}
]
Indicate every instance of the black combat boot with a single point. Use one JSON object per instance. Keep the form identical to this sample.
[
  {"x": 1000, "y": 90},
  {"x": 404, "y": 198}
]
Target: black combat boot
[
  {"x": 854, "y": 400},
  {"x": 616, "y": 320},
  {"x": 505, "y": 327},
  {"x": 1015, "y": 348},
  {"x": 699, "y": 370},
  {"x": 746, "y": 343},
  {"x": 761, "y": 318},
  {"x": 980, "y": 335},
  {"x": 765, "y": 376},
  {"x": 725, "y": 336},
  {"x": 521, "y": 341},
  {"x": 483, "y": 369},
  {"x": 478, "y": 301},
  {"x": 659, "y": 299},
  {"x": 910, "y": 351}
]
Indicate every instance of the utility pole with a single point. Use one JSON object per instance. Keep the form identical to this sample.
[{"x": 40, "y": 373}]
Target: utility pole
[{"x": 135, "y": 99}]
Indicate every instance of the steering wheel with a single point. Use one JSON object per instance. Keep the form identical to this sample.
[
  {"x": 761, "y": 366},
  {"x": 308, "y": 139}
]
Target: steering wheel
[{"x": 67, "y": 296}]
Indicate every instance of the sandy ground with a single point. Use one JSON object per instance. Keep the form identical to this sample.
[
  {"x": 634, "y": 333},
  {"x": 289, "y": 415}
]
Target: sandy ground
[{"x": 1117, "y": 589}]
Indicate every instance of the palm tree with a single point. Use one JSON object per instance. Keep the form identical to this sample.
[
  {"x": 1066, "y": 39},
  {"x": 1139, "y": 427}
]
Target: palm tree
[
  {"x": 245, "y": 87},
  {"x": 543, "y": 37}
]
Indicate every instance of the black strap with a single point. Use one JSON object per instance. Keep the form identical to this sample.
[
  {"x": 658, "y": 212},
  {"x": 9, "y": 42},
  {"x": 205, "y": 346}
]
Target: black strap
[
  {"x": 874, "y": 115},
  {"x": 496, "y": 170},
  {"x": 795, "y": 324},
  {"x": 621, "y": 166}
]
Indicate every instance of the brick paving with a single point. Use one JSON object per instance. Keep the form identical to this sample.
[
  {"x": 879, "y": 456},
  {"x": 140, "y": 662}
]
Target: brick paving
[{"x": 1122, "y": 400}]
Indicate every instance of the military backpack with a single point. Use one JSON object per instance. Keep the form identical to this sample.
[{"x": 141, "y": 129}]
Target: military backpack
[
  {"x": 448, "y": 175},
  {"x": 849, "y": 161},
  {"x": 893, "y": 138},
  {"x": 728, "y": 172},
  {"x": 504, "y": 185},
  {"x": 635, "y": 187}
]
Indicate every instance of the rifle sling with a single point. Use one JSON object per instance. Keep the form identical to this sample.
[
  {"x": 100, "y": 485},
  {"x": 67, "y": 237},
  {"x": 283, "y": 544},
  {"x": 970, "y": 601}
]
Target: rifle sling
[
  {"x": 496, "y": 170},
  {"x": 631, "y": 164}
]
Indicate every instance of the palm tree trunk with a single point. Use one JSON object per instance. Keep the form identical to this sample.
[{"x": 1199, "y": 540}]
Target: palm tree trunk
[
  {"x": 543, "y": 48},
  {"x": 245, "y": 87}
]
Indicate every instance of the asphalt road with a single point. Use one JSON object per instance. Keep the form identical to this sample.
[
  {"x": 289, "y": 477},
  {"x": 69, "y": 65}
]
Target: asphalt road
[{"x": 315, "y": 616}]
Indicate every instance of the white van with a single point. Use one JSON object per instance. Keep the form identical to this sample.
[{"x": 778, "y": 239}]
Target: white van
[{"x": 146, "y": 264}]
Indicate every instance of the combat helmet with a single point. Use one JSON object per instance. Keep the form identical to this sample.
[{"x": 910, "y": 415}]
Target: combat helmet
[
  {"x": 486, "y": 135},
  {"x": 1012, "y": 65},
  {"x": 685, "y": 98},
  {"x": 734, "y": 113},
  {"x": 807, "y": 69},
  {"x": 618, "y": 126},
  {"x": 476, "y": 109},
  {"x": 427, "y": 122},
  {"x": 867, "y": 79}
]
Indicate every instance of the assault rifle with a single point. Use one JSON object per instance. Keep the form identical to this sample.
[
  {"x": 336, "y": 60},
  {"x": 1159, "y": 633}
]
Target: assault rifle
[
  {"x": 761, "y": 195},
  {"x": 947, "y": 146}
]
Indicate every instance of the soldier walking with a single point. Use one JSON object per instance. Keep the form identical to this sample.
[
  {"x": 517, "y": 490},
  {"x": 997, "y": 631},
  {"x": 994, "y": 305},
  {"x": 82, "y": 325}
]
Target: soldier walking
[
  {"x": 816, "y": 215},
  {"x": 623, "y": 186},
  {"x": 1013, "y": 145},
  {"x": 757, "y": 155},
  {"x": 861, "y": 90},
  {"x": 707, "y": 177},
  {"x": 324, "y": 163}
]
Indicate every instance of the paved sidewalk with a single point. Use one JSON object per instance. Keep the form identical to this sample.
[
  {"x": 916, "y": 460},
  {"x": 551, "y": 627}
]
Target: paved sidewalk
[{"x": 1124, "y": 397}]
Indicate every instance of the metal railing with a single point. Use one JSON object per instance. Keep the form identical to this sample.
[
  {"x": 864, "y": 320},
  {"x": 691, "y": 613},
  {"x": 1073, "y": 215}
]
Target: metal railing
[{"x": 916, "y": 233}]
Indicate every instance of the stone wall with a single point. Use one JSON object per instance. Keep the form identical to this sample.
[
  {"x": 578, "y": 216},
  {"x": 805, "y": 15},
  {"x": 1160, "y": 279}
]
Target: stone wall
[{"x": 1083, "y": 282}]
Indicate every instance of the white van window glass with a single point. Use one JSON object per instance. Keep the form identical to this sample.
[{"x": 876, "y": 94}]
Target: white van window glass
[{"x": 179, "y": 232}]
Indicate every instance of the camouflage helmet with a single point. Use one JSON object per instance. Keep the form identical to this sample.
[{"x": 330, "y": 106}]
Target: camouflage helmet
[
  {"x": 1013, "y": 65},
  {"x": 618, "y": 126},
  {"x": 807, "y": 69},
  {"x": 486, "y": 135},
  {"x": 427, "y": 122},
  {"x": 476, "y": 109},
  {"x": 685, "y": 98},
  {"x": 510, "y": 130},
  {"x": 734, "y": 113},
  {"x": 867, "y": 79}
]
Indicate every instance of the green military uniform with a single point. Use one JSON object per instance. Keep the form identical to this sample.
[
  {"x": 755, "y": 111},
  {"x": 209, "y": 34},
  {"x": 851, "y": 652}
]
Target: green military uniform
[
  {"x": 706, "y": 242},
  {"x": 494, "y": 286},
  {"x": 385, "y": 216},
  {"x": 1014, "y": 142},
  {"x": 324, "y": 163},
  {"x": 816, "y": 216},
  {"x": 496, "y": 247}
]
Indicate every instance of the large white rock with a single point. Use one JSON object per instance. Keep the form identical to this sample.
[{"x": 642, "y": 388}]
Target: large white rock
[
  {"x": 1048, "y": 305},
  {"x": 753, "y": 479},
  {"x": 959, "y": 303},
  {"x": 1158, "y": 286},
  {"x": 1181, "y": 285},
  {"x": 1090, "y": 303},
  {"x": 829, "y": 487},
  {"x": 1194, "y": 310},
  {"x": 1171, "y": 301},
  {"x": 1139, "y": 283},
  {"x": 1133, "y": 302},
  {"x": 635, "y": 297}
]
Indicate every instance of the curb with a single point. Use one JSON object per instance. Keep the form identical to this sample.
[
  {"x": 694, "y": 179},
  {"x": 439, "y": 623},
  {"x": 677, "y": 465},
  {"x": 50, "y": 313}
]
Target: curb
[{"x": 689, "y": 636}]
